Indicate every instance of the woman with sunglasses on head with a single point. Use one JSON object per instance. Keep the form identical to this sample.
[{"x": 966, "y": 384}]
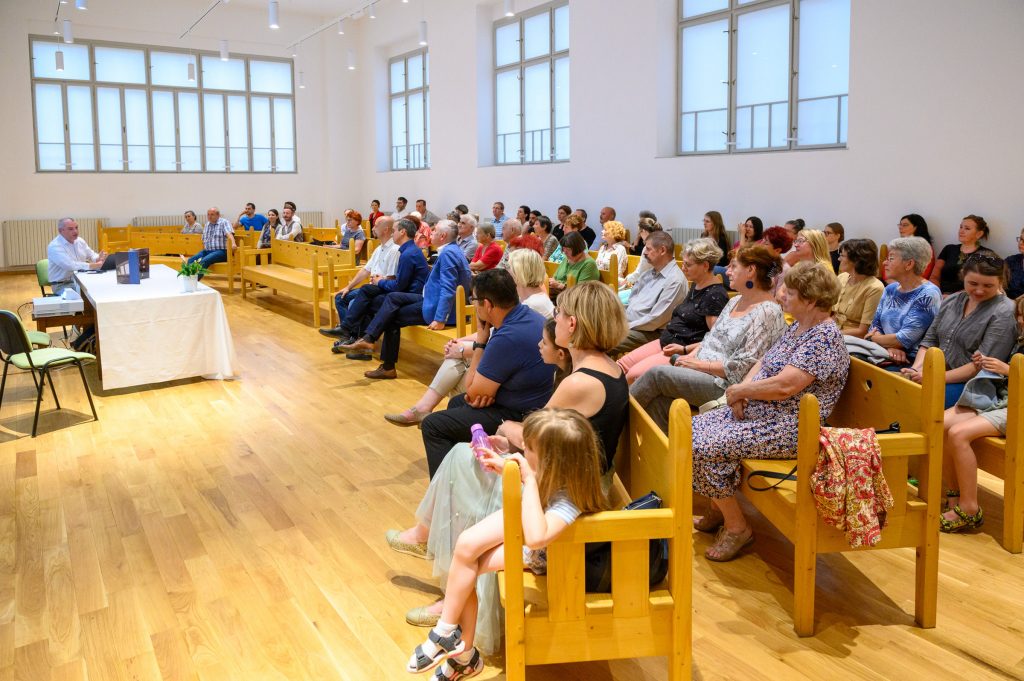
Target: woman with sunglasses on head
[
  {"x": 977, "y": 319},
  {"x": 946, "y": 274}
]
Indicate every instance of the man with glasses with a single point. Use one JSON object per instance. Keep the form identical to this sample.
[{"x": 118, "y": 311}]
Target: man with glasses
[{"x": 655, "y": 295}]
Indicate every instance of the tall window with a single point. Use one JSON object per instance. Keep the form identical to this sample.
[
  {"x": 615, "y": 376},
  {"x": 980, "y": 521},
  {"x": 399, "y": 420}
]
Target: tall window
[
  {"x": 763, "y": 75},
  {"x": 410, "y": 111},
  {"x": 531, "y": 86},
  {"x": 159, "y": 110}
]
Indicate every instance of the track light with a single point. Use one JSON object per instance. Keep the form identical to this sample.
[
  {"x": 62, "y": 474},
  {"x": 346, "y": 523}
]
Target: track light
[
  {"x": 373, "y": 15},
  {"x": 191, "y": 72},
  {"x": 273, "y": 15},
  {"x": 68, "y": 36},
  {"x": 423, "y": 33},
  {"x": 341, "y": 27},
  {"x": 82, "y": 4},
  {"x": 302, "y": 80},
  {"x": 295, "y": 50},
  {"x": 510, "y": 9},
  {"x": 351, "y": 60},
  {"x": 224, "y": 56},
  {"x": 59, "y": 58}
]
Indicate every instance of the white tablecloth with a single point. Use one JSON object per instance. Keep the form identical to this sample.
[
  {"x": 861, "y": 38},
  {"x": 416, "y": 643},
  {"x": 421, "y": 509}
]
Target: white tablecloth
[{"x": 154, "y": 332}]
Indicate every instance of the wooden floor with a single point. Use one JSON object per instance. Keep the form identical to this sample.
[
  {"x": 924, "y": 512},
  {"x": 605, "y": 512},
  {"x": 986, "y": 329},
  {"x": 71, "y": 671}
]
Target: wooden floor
[{"x": 234, "y": 530}]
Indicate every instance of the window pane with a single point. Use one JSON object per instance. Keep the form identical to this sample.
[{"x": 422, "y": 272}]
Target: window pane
[
  {"x": 261, "y": 159},
  {"x": 284, "y": 136},
  {"x": 398, "y": 76},
  {"x": 537, "y": 112},
  {"x": 399, "y": 158},
  {"x": 426, "y": 129},
  {"x": 818, "y": 121},
  {"x": 238, "y": 134},
  {"x": 188, "y": 130},
  {"x": 415, "y": 68},
  {"x": 562, "y": 28},
  {"x": 170, "y": 68},
  {"x": 136, "y": 120},
  {"x": 426, "y": 69},
  {"x": 83, "y": 156},
  {"x": 762, "y": 71},
  {"x": 119, "y": 65},
  {"x": 416, "y": 141},
  {"x": 692, "y": 8},
  {"x": 824, "y": 71},
  {"x": 108, "y": 110},
  {"x": 213, "y": 129},
  {"x": 50, "y": 127},
  {"x": 536, "y": 36},
  {"x": 507, "y": 116},
  {"x": 705, "y": 91},
  {"x": 562, "y": 109},
  {"x": 223, "y": 75},
  {"x": 506, "y": 44},
  {"x": 270, "y": 76},
  {"x": 44, "y": 63},
  {"x": 164, "y": 151}
]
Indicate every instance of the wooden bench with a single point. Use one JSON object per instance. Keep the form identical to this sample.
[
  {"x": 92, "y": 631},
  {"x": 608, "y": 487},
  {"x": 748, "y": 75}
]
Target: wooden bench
[
  {"x": 303, "y": 271},
  {"x": 549, "y": 619},
  {"x": 165, "y": 248},
  {"x": 465, "y": 324},
  {"x": 872, "y": 397},
  {"x": 1001, "y": 456}
]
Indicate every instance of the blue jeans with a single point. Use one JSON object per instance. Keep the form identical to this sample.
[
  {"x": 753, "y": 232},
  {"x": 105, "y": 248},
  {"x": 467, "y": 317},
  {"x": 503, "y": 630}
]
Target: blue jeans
[{"x": 209, "y": 257}]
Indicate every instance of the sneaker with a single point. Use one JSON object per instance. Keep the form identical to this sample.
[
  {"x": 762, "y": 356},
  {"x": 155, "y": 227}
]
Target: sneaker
[{"x": 337, "y": 332}]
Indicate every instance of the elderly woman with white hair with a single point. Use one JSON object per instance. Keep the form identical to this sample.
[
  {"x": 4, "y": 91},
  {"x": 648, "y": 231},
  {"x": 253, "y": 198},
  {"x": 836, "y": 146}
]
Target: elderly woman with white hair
[{"x": 527, "y": 269}]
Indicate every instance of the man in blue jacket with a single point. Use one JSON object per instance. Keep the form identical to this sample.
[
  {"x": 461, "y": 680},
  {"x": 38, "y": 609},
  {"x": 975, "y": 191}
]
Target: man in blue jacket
[
  {"x": 410, "y": 276},
  {"x": 435, "y": 308}
]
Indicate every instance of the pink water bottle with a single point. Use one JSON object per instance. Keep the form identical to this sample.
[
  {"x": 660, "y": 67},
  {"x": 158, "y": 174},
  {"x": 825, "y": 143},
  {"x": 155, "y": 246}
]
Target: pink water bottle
[{"x": 479, "y": 440}]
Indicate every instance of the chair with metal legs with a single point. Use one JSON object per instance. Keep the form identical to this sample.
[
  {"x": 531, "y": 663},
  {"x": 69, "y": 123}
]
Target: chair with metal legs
[{"x": 16, "y": 350}]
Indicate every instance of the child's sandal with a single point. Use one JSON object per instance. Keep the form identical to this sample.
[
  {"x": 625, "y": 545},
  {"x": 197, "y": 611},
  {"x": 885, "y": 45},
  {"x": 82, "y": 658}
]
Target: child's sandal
[
  {"x": 446, "y": 645},
  {"x": 962, "y": 522},
  {"x": 951, "y": 494},
  {"x": 453, "y": 670}
]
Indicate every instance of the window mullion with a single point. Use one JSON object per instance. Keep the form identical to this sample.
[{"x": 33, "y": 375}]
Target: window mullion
[
  {"x": 227, "y": 135},
  {"x": 734, "y": 32},
  {"x": 273, "y": 139},
  {"x": 67, "y": 127}
]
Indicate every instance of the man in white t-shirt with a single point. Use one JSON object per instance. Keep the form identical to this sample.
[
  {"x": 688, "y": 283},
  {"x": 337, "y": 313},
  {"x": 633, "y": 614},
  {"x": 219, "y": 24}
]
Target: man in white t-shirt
[
  {"x": 67, "y": 254},
  {"x": 401, "y": 209}
]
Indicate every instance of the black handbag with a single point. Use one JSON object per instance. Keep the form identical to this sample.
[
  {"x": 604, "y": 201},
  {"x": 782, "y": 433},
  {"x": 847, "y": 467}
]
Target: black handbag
[{"x": 598, "y": 556}]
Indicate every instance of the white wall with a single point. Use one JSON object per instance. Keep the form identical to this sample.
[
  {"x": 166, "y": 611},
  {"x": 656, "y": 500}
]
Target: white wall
[
  {"x": 25, "y": 193},
  {"x": 935, "y": 108},
  {"x": 935, "y": 111}
]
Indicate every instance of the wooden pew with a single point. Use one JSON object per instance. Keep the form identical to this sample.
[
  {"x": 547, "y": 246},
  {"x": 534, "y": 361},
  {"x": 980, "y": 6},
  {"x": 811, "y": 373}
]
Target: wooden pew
[
  {"x": 303, "y": 271},
  {"x": 549, "y": 619},
  {"x": 872, "y": 398},
  {"x": 1002, "y": 457},
  {"x": 165, "y": 248},
  {"x": 465, "y": 324}
]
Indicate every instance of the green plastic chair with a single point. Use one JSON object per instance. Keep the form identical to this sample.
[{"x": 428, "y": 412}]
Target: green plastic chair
[
  {"x": 16, "y": 350},
  {"x": 43, "y": 279}
]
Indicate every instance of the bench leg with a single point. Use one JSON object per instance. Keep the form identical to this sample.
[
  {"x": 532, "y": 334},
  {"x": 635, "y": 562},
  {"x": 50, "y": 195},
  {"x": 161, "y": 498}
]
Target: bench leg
[
  {"x": 804, "y": 571},
  {"x": 316, "y": 312},
  {"x": 926, "y": 583},
  {"x": 1013, "y": 502}
]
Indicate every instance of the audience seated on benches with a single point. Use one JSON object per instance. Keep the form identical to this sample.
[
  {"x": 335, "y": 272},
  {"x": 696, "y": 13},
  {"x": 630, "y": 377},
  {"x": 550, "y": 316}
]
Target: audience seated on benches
[
  {"x": 577, "y": 264},
  {"x": 655, "y": 295},
  {"x": 860, "y": 288},
  {"x": 613, "y": 241},
  {"x": 948, "y": 263}
]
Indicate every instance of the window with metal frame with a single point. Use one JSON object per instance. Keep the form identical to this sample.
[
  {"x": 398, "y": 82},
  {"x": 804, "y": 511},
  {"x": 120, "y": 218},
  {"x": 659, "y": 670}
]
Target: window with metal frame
[
  {"x": 110, "y": 107},
  {"x": 409, "y": 87},
  {"x": 763, "y": 75},
  {"x": 531, "y": 86}
]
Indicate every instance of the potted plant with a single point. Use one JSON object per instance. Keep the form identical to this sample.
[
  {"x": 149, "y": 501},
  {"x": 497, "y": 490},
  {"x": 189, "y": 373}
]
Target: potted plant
[{"x": 191, "y": 271}]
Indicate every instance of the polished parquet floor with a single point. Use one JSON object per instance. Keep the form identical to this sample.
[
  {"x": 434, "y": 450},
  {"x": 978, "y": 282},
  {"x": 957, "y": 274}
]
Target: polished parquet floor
[{"x": 234, "y": 530}]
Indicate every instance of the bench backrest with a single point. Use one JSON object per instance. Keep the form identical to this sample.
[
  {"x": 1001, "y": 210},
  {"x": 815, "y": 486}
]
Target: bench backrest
[{"x": 292, "y": 254}]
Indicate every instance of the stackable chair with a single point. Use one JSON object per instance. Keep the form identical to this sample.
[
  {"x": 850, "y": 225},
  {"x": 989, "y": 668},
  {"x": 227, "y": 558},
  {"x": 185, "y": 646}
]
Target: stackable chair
[{"x": 16, "y": 350}]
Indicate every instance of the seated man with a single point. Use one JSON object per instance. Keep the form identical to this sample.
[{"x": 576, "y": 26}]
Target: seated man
[
  {"x": 249, "y": 219},
  {"x": 467, "y": 235},
  {"x": 217, "y": 234},
  {"x": 425, "y": 215},
  {"x": 410, "y": 274},
  {"x": 655, "y": 295},
  {"x": 382, "y": 265},
  {"x": 607, "y": 214},
  {"x": 67, "y": 254},
  {"x": 505, "y": 380},
  {"x": 513, "y": 229},
  {"x": 577, "y": 263},
  {"x": 435, "y": 307}
]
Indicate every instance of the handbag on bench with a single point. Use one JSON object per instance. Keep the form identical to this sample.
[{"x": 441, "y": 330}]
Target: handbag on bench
[{"x": 598, "y": 558}]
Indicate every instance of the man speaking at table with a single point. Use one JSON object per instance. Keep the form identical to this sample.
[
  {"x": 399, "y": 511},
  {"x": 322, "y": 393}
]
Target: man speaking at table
[
  {"x": 67, "y": 254},
  {"x": 217, "y": 234}
]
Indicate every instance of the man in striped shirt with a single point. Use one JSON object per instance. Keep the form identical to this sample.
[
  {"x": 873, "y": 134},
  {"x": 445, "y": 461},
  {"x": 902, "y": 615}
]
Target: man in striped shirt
[{"x": 217, "y": 234}]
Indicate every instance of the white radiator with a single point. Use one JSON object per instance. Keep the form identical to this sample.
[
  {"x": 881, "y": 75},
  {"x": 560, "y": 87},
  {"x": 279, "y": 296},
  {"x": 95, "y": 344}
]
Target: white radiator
[
  {"x": 314, "y": 218},
  {"x": 683, "y": 234},
  {"x": 25, "y": 241}
]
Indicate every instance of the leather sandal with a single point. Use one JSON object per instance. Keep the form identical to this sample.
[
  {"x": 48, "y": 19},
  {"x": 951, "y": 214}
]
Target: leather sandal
[
  {"x": 710, "y": 521},
  {"x": 963, "y": 521},
  {"x": 728, "y": 544}
]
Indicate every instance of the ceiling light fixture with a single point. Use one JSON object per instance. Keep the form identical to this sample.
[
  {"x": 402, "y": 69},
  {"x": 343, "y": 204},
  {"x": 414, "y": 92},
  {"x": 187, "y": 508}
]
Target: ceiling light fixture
[
  {"x": 341, "y": 26},
  {"x": 302, "y": 80},
  {"x": 373, "y": 15},
  {"x": 68, "y": 36},
  {"x": 59, "y": 58},
  {"x": 274, "y": 24},
  {"x": 224, "y": 56},
  {"x": 191, "y": 72},
  {"x": 423, "y": 33},
  {"x": 510, "y": 9},
  {"x": 351, "y": 60}
]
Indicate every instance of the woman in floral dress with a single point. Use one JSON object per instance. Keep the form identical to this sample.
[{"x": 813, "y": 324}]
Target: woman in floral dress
[{"x": 762, "y": 412}]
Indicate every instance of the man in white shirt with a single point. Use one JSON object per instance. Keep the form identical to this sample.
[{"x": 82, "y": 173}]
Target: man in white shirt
[
  {"x": 401, "y": 209},
  {"x": 655, "y": 295},
  {"x": 290, "y": 228},
  {"x": 68, "y": 254},
  {"x": 381, "y": 265},
  {"x": 498, "y": 210}
]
